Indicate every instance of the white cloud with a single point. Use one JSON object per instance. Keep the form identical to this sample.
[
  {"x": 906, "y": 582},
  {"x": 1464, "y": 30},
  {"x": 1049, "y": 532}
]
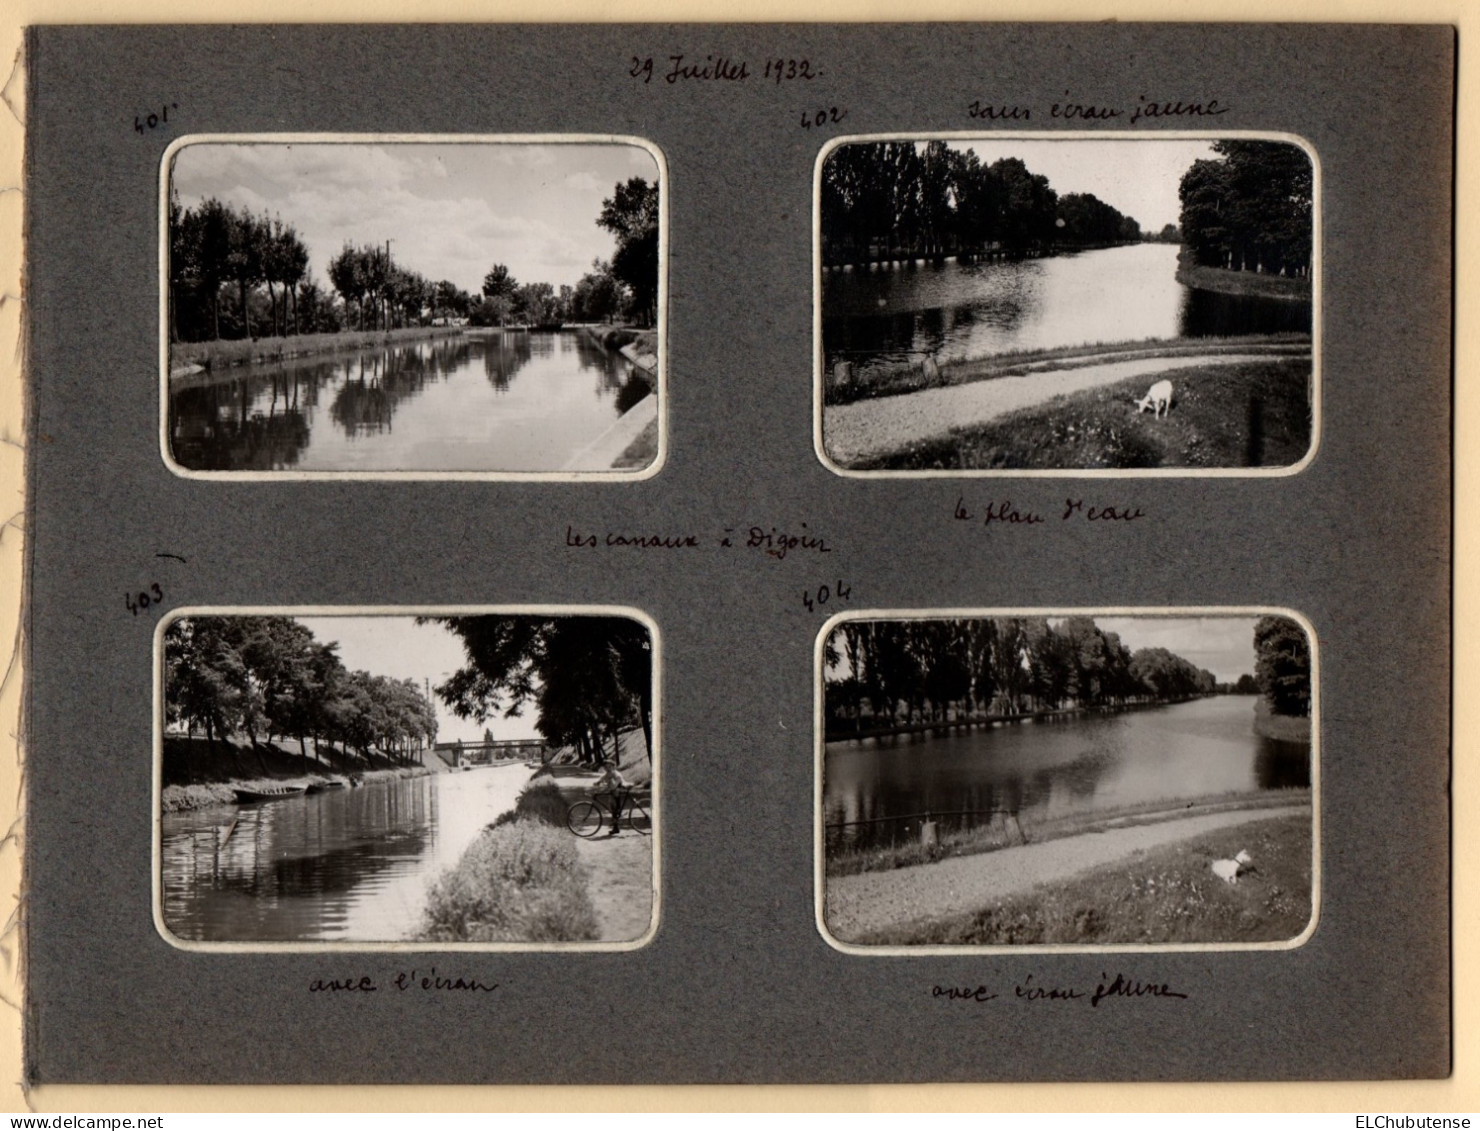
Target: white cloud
[{"x": 449, "y": 211}]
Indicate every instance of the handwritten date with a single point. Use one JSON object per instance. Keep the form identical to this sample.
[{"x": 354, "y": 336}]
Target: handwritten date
[{"x": 719, "y": 68}]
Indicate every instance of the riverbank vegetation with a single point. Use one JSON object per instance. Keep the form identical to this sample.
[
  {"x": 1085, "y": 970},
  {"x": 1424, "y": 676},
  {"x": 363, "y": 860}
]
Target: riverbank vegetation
[
  {"x": 1250, "y": 209},
  {"x": 885, "y": 379},
  {"x": 1167, "y": 895},
  {"x": 1245, "y": 283},
  {"x": 187, "y": 358},
  {"x": 261, "y": 677},
  {"x": 195, "y": 773},
  {"x": 884, "y": 676},
  {"x": 519, "y": 881},
  {"x": 1242, "y": 414},
  {"x": 891, "y": 200}
]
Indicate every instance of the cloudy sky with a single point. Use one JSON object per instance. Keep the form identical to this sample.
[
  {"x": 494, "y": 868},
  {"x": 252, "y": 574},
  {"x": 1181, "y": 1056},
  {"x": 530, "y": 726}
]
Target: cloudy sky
[
  {"x": 1139, "y": 176},
  {"x": 451, "y": 211},
  {"x": 398, "y": 647},
  {"x": 1222, "y": 645}
]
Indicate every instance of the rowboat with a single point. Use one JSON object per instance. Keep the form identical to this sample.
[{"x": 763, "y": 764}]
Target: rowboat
[{"x": 243, "y": 796}]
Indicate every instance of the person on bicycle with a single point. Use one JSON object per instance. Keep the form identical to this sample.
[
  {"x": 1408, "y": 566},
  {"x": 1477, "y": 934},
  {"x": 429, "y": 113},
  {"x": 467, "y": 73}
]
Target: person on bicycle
[{"x": 611, "y": 781}]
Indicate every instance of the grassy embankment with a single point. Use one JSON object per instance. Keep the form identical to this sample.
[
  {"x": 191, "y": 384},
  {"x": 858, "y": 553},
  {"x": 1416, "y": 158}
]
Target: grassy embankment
[
  {"x": 1247, "y": 414},
  {"x": 1165, "y": 895},
  {"x": 1003, "y": 832},
  {"x": 1284, "y": 728},
  {"x": 889, "y": 380},
  {"x": 521, "y": 880},
  {"x": 217, "y": 355},
  {"x": 1250, "y": 283},
  {"x": 196, "y": 773}
]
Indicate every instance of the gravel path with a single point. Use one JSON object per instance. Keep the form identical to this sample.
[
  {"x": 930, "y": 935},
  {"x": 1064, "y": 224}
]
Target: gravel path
[
  {"x": 858, "y": 904},
  {"x": 871, "y": 428},
  {"x": 621, "y": 884}
]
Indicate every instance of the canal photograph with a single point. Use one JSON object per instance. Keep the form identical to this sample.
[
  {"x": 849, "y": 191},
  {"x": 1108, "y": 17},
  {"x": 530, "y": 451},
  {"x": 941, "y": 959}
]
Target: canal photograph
[
  {"x": 441, "y": 778},
  {"x": 1001, "y": 304},
  {"x": 471, "y": 308},
  {"x": 1069, "y": 780}
]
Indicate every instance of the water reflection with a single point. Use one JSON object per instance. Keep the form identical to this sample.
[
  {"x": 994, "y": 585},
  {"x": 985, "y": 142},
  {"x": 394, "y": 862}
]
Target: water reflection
[
  {"x": 953, "y": 310},
  {"x": 874, "y": 790},
  {"x": 347, "y": 864},
  {"x": 511, "y": 401}
]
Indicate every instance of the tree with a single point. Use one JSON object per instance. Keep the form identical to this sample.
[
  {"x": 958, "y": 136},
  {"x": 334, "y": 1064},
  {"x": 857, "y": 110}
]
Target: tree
[
  {"x": 1282, "y": 665},
  {"x": 1250, "y": 209},
  {"x": 631, "y": 214},
  {"x": 587, "y": 676},
  {"x": 345, "y": 272},
  {"x": 244, "y": 262}
]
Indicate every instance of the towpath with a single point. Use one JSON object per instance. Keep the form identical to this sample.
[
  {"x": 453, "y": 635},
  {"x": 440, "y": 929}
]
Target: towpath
[
  {"x": 868, "y": 429},
  {"x": 621, "y": 883},
  {"x": 869, "y": 901}
]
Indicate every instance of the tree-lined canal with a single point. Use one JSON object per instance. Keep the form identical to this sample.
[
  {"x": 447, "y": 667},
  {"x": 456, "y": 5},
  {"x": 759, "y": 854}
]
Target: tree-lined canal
[
  {"x": 1080, "y": 765},
  {"x": 347, "y": 864},
  {"x": 504, "y": 401}
]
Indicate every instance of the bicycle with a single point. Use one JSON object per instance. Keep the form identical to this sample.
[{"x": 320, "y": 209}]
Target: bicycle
[{"x": 587, "y": 818}]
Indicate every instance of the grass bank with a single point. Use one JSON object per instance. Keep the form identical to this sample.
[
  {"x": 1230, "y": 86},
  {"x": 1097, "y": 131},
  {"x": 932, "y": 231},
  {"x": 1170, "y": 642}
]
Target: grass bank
[
  {"x": 189, "y": 357},
  {"x": 1249, "y": 283},
  {"x": 520, "y": 881},
  {"x": 1167, "y": 895},
  {"x": 1249, "y": 414},
  {"x": 641, "y": 452},
  {"x": 1284, "y": 728},
  {"x": 196, "y": 773},
  {"x": 1003, "y": 832},
  {"x": 886, "y": 380}
]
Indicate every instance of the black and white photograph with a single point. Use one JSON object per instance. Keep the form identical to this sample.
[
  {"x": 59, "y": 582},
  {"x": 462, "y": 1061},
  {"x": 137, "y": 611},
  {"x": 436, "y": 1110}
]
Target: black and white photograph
[
  {"x": 431, "y": 309},
  {"x": 1070, "y": 780},
  {"x": 478, "y": 779},
  {"x": 1008, "y": 304}
]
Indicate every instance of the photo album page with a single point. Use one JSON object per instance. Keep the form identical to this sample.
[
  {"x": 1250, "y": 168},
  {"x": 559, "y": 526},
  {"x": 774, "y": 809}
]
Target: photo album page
[{"x": 734, "y": 554}]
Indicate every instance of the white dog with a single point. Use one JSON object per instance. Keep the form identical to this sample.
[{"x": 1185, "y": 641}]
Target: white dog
[
  {"x": 1158, "y": 399},
  {"x": 1228, "y": 870}
]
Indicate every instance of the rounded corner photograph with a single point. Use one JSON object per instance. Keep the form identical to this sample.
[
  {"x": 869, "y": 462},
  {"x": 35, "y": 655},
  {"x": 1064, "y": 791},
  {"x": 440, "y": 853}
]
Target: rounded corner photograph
[
  {"x": 413, "y": 307},
  {"x": 407, "y": 779},
  {"x": 1030, "y": 304},
  {"x": 1066, "y": 780}
]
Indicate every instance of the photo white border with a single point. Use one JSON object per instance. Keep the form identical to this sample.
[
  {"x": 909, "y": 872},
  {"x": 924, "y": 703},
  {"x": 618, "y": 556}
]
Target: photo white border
[
  {"x": 819, "y": 377},
  {"x": 608, "y": 476},
  {"x": 395, "y": 946},
  {"x": 820, "y": 743}
]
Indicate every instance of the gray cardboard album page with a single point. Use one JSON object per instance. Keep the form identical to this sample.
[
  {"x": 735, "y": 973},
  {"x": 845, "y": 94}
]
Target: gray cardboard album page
[{"x": 752, "y": 553}]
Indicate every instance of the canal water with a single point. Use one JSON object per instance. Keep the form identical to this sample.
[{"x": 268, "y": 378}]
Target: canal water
[
  {"x": 505, "y": 401},
  {"x": 345, "y": 865},
  {"x": 875, "y": 789},
  {"x": 954, "y": 311}
]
